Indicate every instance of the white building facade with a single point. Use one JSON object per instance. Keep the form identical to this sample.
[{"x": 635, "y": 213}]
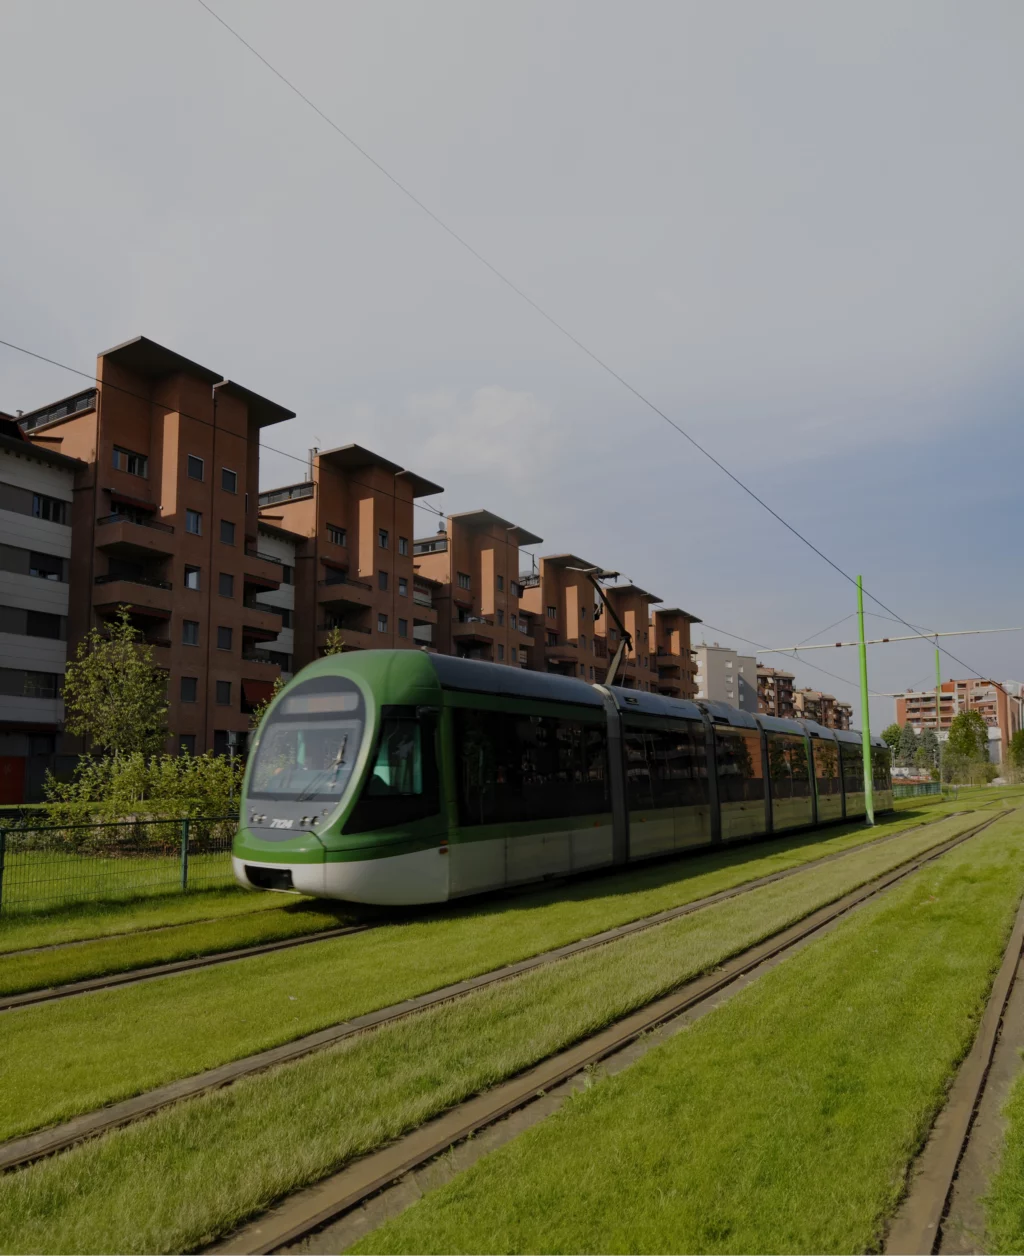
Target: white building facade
[
  {"x": 725, "y": 676},
  {"x": 36, "y": 500}
]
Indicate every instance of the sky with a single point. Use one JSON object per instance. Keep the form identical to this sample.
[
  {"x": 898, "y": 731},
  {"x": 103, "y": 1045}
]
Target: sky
[{"x": 793, "y": 227}]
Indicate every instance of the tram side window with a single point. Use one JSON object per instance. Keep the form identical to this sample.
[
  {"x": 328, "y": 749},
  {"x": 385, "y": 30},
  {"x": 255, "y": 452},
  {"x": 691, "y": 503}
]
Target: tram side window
[
  {"x": 787, "y": 766},
  {"x": 402, "y": 785},
  {"x": 665, "y": 767},
  {"x": 880, "y": 768},
  {"x": 528, "y": 767},
  {"x": 853, "y": 768},
  {"x": 826, "y": 767},
  {"x": 740, "y": 778}
]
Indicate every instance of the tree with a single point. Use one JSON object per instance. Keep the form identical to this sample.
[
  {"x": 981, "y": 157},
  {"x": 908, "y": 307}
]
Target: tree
[
  {"x": 891, "y": 737},
  {"x": 334, "y": 643},
  {"x": 968, "y": 737},
  {"x": 928, "y": 744},
  {"x": 908, "y": 745},
  {"x": 114, "y": 694},
  {"x": 258, "y": 712},
  {"x": 1015, "y": 752}
]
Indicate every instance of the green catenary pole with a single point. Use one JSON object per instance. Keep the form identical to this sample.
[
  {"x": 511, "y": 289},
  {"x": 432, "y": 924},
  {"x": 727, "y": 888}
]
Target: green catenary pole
[
  {"x": 865, "y": 715},
  {"x": 184, "y": 854},
  {"x": 938, "y": 708}
]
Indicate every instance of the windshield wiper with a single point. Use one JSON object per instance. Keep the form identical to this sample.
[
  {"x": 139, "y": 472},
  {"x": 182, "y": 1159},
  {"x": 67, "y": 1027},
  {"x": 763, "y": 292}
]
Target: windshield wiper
[{"x": 335, "y": 767}]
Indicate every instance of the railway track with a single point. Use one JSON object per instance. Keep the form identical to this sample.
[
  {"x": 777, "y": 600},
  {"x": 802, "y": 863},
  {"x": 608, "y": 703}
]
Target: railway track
[
  {"x": 942, "y": 1209},
  {"x": 302, "y": 1215},
  {"x": 24, "y": 1150},
  {"x": 175, "y": 967}
]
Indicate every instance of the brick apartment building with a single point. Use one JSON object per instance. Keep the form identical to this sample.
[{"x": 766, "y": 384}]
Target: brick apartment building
[
  {"x": 472, "y": 564},
  {"x": 351, "y": 522},
  {"x": 812, "y": 704},
  {"x": 669, "y": 642},
  {"x": 998, "y": 704},
  {"x": 775, "y": 692},
  {"x": 164, "y": 520}
]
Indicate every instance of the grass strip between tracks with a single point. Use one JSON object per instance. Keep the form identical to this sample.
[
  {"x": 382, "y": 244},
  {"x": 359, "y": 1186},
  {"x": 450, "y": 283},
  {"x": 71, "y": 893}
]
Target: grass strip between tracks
[
  {"x": 1004, "y": 1202},
  {"x": 194, "y": 1171},
  {"x": 39, "y": 970},
  {"x": 783, "y": 1121},
  {"x": 120, "y": 1042},
  {"x": 87, "y": 921},
  {"x": 290, "y": 918}
]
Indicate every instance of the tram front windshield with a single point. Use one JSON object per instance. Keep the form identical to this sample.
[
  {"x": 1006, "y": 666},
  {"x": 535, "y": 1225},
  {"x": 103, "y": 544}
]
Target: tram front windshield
[{"x": 309, "y": 746}]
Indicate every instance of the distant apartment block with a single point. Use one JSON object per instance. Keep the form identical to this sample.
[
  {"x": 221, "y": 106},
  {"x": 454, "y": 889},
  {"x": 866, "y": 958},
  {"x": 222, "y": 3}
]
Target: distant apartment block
[
  {"x": 998, "y": 704},
  {"x": 775, "y": 692},
  {"x": 722, "y": 675},
  {"x": 669, "y": 641},
  {"x": 565, "y": 611},
  {"x": 165, "y": 522},
  {"x": 812, "y": 704},
  {"x": 470, "y": 570},
  {"x": 352, "y": 524},
  {"x": 36, "y": 502}
]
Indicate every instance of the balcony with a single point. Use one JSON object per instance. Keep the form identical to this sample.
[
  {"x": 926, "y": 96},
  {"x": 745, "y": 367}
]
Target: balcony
[
  {"x": 352, "y": 637},
  {"x": 341, "y": 590},
  {"x": 144, "y": 595},
  {"x": 563, "y": 652},
  {"x": 261, "y": 569},
  {"x": 422, "y": 597},
  {"x": 254, "y": 656},
  {"x": 474, "y": 628},
  {"x": 139, "y": 537}
]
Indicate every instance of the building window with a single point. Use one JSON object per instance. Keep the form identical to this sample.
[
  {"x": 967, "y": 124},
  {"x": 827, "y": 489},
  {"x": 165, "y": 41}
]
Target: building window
[
  {"x": 224, "y": 636},
  {"x": 501, "y": 619},
  {"x": 223, "y": 692},
  {"x": 286, "y": 617},
  {"x": 226, "y": 584},
  {"x": 501, "y": 654},
  {"x": 287, "y": 575},
  {"x": 403, "y": 545},
  {"x": 189, "y": 688},
  {"x": 382, "y": 579},
  {"x": 583, "y": 640},
  {"x": 134, "y": 464},
  {"x": 583, "y": 670},
  {"x": 403, "y": 627},
  {"x": 192, "y": 577},
  {"x": 336, "y": 535},
  {"x": 613, "y": 635},
  {"x": 515, "y": 654},
  {"x": 46, "y": 567},
  {"x": 513, "y": 622},
  {"x": 552, "y": 638},
  {"x": 187, "y": 743},
  {"x": 591, "y": 673},
  {"x": 42, "y": 624},
  {"x": 403, "y": 587},
  {"x": 190, "y": 632},
  {"x": 50, "y": 508},
  {"x": 228, "y": 480},
  {"x": 194, "y": 522},
  {"x": 501, "y": 584},
  {"x": 552, "y": 612},
  {"x": 382, "y": 537},
  {"x": 515, "y": 588},
  {"x": 196, "y": 468},
  {"x": 583, "y": 612},
  {"x": 463, "y": 580},
  {"x": 227, "y": 532},
  {"x": 382, "y": 623}
]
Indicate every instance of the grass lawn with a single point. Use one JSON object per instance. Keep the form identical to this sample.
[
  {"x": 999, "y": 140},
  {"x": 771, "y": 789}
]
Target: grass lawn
[
  {"x": 194, "y": 1171},
  {"x": 1004, "y": 1204},
  {"x": 83, "y": 921},
  {"x": 57, "y": 965},
  {"x": 117, "y": 1043},
  {"x": 782, "y": 1122}
]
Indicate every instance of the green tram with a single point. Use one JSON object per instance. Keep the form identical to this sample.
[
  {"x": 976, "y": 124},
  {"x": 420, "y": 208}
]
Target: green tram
[{"x": 398, "y": 777}]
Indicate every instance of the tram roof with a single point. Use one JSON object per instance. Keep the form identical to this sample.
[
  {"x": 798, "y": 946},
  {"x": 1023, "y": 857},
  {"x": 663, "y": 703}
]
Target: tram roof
[
  {"x": 638, "y": 701},
  {"x": 777, "y": 724},
  {"x": 723, "y": 713},
  {"x": 476, "y": 676}
]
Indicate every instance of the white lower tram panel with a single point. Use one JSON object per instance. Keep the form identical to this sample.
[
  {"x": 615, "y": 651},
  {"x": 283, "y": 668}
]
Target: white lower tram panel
[{"x": 391, "y": 881}]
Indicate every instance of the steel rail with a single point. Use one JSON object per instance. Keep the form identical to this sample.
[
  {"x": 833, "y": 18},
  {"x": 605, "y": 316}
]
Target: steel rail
[
  {"x": 917, "y": 1226},
  {"x": 130, "y": 977},
  {"x": 314, "y": 1207},
  {"x": 27, "y": 1148}
]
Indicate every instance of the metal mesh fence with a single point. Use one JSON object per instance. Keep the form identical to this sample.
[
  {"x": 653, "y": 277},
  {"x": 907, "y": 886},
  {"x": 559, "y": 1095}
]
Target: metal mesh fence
[
  {"x": 916, "y": 791},
  {"x": 45, "y": 867}
]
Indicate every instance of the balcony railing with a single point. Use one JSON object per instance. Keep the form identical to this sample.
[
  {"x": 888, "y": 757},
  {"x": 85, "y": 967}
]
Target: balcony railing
[
  {"x": 148, "y": 581},
  {"x": 138, "y": 520},
  {"x": 529, "y": 581},
  {"x": 291, "y": 493},
  {"x": 339, "y": 577},
  {"x": 252, "y": 552},
  {"x": 422, "y": 597},
  {"x": 60, "y": 410},
  {"x": 343, "y": 628},
  {"x": 252, "y": 656}
]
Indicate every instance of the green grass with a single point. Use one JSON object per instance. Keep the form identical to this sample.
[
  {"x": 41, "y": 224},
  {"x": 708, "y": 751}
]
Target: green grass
[
  {"x": 782, "y": 1122},
  {"x": 55, "y": 966},
  {"x": 194, "y": 1171},
  {"x": 85, "y": 921},
  {"x": 1004, "y": 1203},
  {"x": 116, "y": 1043}
]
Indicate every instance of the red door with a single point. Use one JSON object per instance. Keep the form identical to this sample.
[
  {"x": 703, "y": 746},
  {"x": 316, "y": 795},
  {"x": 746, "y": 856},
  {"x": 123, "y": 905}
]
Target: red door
[{"x": 12, "y": 779}]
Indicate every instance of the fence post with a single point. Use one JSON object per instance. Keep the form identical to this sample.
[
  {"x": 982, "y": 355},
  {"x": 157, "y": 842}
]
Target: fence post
[
  {"x": 184, "y": 854},
  {"x": 3, "y": 852}
]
